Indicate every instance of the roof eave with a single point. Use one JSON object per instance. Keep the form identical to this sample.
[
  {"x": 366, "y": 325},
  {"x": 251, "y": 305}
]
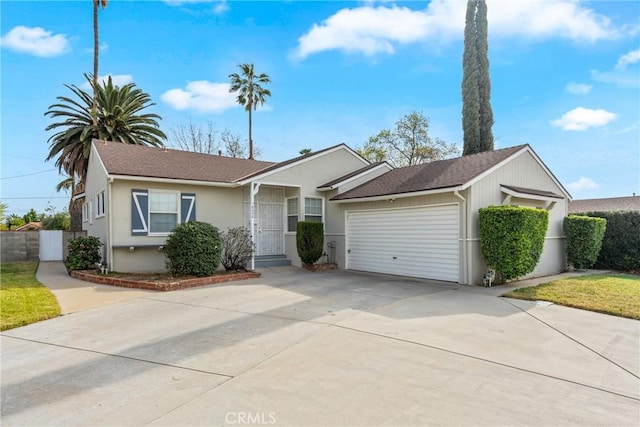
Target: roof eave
[
  {"x": 172, "y": 181},
  {"x": 351, "y": 178},
  {"x": 394, "y": 196}
]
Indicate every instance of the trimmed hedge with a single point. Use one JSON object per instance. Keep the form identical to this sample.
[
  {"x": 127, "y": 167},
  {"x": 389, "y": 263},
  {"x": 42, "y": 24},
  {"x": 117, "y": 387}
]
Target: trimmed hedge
[
  {"x": 621, "y": 243},
  {"x": 584, "y": 239},
  {"x": 193, "y": 249},
  {"x": 309, "y": 241},
  {"x": 512, "y": 238}
]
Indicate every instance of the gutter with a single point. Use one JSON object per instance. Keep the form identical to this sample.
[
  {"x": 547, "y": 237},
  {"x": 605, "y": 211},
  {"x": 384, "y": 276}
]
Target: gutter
[
  {"x": 465, "y": 250},
  {"x": 110, "y": 225}
]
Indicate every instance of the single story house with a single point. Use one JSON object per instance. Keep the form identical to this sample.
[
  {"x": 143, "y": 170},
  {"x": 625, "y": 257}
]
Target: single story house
[
  {"x": 629, "y": 203},
  {"x": 418, "y": 221}
]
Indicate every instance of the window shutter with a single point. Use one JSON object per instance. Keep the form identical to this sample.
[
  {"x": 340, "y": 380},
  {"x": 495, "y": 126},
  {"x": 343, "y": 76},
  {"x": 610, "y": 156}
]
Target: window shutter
[
  {"x": 139, "y": 212},
  {"x": 187, "y": 207}
]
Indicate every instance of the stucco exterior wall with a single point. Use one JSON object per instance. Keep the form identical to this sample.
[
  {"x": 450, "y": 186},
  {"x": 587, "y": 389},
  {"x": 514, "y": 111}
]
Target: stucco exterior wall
[
  {"x": 221, "y": 207},
  {"x": 97, "y": 182}
]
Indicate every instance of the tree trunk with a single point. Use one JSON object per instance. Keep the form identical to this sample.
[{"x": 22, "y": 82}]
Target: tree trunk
[
  {"x": 96, "y": 47},
  {"x": 250, "y": 138}
]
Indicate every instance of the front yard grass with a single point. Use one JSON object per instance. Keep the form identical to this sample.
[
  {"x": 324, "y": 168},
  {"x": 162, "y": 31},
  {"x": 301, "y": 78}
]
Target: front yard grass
[
  {"x": 615, "y": 294},
  {"x": 24, "y": 300}
]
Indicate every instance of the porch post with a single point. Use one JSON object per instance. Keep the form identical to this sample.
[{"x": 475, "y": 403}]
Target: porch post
[{"x": 254, "y": 188}]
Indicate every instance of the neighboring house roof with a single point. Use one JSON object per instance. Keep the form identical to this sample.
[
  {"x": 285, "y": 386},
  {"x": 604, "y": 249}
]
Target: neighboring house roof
[
  {"x": 336, "y": 182},
  {"x": 33, "y": 225},
  {"x": 441, "y": 174},
  {"x": 144, "y": 161},
  {"x": 629, "y": 203}
]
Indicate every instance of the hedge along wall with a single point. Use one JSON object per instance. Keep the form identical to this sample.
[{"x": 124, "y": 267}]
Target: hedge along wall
[
  {"x": 621, "y": 243},
  {"x": 584, "y": 239},
  {"x": 512, "y": 238}
]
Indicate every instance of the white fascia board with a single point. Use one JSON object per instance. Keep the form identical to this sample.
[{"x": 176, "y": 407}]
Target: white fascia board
[
  {"x": 95, "y": 151},
  {"x": 173, "y": 181},
  {"x": 553, "y": 177},
  {"x": 360, "y": 175},
  {"x": 257, "y": 177},
  {"x": 399, "y": 195},
  {"x": 529, "y": 196}
]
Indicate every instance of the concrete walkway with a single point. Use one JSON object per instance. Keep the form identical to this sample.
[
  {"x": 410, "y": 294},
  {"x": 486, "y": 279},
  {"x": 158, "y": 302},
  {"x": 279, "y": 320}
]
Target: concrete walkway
[
  {"x": 295, "y": 348},
  {"x": 76, "y": 295}
]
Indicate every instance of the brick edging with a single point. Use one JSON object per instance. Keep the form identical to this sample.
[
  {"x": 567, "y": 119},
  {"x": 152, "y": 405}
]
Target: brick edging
[{"x": 91, "y": 276}]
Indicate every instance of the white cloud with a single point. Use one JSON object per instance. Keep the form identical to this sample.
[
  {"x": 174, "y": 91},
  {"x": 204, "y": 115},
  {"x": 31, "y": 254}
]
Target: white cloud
[
  {"x": 621, "y": 74},
  {"x": 219, "y": 8},
  {"x": 35, "y": 41},
  {"x": 117, "y": 79},
  {"x": 371, "y": 30},
  {"x": 583, "y": 183},
  {"x": 578, "y": 88},
  {"x": 632, "y": 57},
  {"x": 202, "y": 96},
  {"x": 583, "y": 118}
]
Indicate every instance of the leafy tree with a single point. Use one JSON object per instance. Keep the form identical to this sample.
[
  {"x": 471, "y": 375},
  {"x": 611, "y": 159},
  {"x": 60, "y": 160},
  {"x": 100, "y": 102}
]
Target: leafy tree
[
  {"x": 3, "y": 210},
  {"x": 14, "y": 221},
  {"x": 248, "y": 84},
  {"x": 120, "y": 118},
  {"x": 477, "y": 115},
  {"x": 56, "y": 221},
  {"x": 408, "y": 144},
  {"x": 96, "y": 52},
  {"x": 31, "y": 216}
]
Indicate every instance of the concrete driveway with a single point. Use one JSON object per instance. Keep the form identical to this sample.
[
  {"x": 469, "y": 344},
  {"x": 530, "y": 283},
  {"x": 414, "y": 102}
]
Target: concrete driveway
[{"x": 331, "y": 348}]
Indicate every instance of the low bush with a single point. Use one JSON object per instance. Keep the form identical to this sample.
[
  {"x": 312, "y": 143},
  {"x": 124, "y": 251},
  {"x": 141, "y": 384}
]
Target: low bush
[
  {"x": 512, "y": 239},
  {"x": 621, "y": 242},
  {"x": 237, "y": 248},
  {"x": 193, "y": 249},
  {"x": 584, "y": 238},
  {"x": 309, "y": 241},
  {"x": 84, "y": 253}
]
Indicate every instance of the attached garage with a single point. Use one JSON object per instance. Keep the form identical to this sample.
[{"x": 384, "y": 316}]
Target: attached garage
[{"x": 417, "y": 242}]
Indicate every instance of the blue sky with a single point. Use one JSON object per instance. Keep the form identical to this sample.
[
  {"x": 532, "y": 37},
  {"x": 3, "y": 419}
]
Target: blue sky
[{"x": 565, "y": 77}]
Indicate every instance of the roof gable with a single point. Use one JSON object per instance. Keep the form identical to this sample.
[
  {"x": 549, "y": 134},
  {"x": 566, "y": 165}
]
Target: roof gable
[{"x": 441, "y": 174}]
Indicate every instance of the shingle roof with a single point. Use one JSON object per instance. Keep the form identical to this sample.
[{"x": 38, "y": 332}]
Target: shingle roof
[
  {"x": 350, "y": 175},
  {"x": 143, "y": 161},
  {"x": 630, "y": 203},
  {"x": 430, "y": 176}
]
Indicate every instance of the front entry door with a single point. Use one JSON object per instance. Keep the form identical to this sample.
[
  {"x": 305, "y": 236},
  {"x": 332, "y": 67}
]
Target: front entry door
[{"x": 269, "y": 229}]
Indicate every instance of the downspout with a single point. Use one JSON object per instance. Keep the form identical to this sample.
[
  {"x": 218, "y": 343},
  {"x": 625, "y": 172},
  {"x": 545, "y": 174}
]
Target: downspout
[
  {"x": 109, "y": 226},
  {"x": 252, "y": 226},
  {"x": 465, "y": 251}
]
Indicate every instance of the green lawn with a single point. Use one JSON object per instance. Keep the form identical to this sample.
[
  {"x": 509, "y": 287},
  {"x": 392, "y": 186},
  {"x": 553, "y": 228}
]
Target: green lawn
[
  {"x": 616, "y": 294},
  {"x": 23, "y": 299}
]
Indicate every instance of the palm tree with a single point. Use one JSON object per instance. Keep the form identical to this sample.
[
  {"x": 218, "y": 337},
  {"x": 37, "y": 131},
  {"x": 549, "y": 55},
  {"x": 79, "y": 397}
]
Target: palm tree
[
  {"x": 250, "y": 92},
  {"x": 96, "y": 51},
  {"x": 118, "y": 118}
]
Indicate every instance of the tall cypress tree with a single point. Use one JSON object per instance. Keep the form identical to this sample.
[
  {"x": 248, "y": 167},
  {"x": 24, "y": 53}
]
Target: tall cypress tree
[{"x": 477, "y": 115}]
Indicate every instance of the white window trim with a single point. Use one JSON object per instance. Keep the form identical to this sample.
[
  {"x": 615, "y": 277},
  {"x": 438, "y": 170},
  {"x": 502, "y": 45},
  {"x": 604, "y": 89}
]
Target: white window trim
[
  {"x": 286, "y": 214},
  {"x": 91, "y": 211},
  {"x": 85, "y": 212},
  {"x": 178, "y": 213},
  {"x": 100, "y": 212},
  {"x": 304, "y": 206}
]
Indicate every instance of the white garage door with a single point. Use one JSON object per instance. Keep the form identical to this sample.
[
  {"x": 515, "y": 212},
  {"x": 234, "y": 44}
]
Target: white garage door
[{"x": 416, "y": 242}]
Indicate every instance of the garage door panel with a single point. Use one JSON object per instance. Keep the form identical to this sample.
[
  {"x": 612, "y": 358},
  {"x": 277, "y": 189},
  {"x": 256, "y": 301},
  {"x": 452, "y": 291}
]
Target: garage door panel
[{"x": 417, "y": 242}]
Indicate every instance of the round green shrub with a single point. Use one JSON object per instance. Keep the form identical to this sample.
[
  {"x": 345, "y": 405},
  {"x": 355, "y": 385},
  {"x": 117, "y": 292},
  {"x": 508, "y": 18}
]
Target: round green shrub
[
  {"x": 84, "y": 253},
  {"x": 193, "y": 249}
]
